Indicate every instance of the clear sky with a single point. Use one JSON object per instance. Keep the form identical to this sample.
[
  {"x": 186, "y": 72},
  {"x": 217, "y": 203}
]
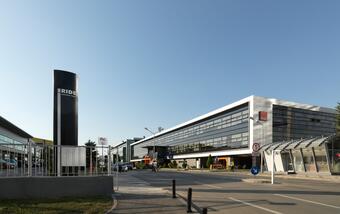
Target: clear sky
[{"x": 150, "y": 63}]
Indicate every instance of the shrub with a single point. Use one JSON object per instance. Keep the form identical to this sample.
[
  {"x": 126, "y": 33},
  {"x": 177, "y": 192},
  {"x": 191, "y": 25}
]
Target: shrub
[
  {"x": 184, "y": 165},
  {"x": 140, "y": 165},
  {"x": 174, "y": 164},
  {"x": 209, "y": 162}
]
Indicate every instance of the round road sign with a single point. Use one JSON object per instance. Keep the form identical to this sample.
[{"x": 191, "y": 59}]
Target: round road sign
[
  {"x": 255, "y": 170},
  {"x": 256, "y": 147}
]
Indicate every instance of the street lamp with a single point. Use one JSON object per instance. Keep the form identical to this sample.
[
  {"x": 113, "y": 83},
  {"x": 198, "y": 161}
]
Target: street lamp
[{"x": 153, "y": 138}]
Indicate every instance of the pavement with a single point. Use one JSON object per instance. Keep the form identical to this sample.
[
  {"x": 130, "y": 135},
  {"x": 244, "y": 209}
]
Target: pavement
[
  {"x": 138, "y": 196},
  {"x": 142, "y": 191}
]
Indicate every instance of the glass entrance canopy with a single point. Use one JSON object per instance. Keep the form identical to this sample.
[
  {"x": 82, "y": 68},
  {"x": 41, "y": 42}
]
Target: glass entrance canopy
[{"x": 312, "y": 155}]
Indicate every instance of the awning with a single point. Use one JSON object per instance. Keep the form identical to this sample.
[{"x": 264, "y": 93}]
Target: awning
[
  {"x": 265, "y": 147},
  {"x": 136, "y": 160},
  {"x": 305, "y": 143},
  {"x": 318, "y": 142},
  {"x": 283, "y": 145},
  {"x": 294, "y": 144}
]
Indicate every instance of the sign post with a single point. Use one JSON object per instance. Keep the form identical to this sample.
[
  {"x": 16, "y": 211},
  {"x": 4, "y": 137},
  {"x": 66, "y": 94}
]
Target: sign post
[
  {"x": 255, "y": 169},
  {"x": 255, "y": 153},
  {"x": 273, "y": 153},
  {"x": 102, "y": 141}
]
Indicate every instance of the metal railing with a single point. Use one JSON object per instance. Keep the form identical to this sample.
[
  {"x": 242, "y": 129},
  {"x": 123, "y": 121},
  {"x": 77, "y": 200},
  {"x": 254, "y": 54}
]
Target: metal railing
[{"x": 20, "y": 160}]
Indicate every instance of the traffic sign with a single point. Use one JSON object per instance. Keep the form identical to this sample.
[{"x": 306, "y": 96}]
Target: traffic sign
[
  {"x": 255, "y": 170},
  {"x": 256, "y": 147}
]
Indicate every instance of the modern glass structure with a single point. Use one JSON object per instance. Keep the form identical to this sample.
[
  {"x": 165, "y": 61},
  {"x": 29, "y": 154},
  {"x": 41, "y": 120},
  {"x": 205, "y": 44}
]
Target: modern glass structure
[
  {"x": 12, "y": 145},
  {"x": 124, "y": 151},
  {"x": 308, "y": 155},
  {"x": 228, "y": 133}
]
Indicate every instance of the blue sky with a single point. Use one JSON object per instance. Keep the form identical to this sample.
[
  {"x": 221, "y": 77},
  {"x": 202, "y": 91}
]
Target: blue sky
[{"x": 159, "y": 63}]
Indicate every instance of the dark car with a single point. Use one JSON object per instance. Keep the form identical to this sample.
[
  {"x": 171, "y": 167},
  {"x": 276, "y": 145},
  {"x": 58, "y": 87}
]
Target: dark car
[
  {"x": 8, "y": 163},
  {"x": 122, "y": 167}
]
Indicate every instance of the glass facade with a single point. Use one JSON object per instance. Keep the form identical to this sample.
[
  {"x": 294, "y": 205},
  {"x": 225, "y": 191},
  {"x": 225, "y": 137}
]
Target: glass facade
[
  {"x": 308, "y": 159},
  {"x": 227, "y": 130},
  {"x": 122, "y": 153},
  {"x": 294, "y": 123},
  {"x": 298, "y": 161},
  {"x": 138, "y": 152},
  {"x": 11, "y": 143},
  {"x": 321, "y": 159}
]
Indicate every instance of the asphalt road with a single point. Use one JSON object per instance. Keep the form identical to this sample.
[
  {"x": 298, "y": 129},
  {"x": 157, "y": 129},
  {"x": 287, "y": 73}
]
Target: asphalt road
[{"x": 227, "y": 193}]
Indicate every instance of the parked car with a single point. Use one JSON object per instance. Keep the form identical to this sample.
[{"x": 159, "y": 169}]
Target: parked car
[
  {"x": 8, "y": 163},
  {"x": 122, "y": 167},
  {"x": 128, "y": 165}
]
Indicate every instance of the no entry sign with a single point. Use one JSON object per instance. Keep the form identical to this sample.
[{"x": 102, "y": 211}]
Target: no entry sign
[{"x": 256, "y": 147}]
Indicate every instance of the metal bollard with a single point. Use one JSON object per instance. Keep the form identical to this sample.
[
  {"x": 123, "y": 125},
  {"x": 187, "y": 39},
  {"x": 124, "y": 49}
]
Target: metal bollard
[
  {"x": 205, "y": 211},
  {"x": 174, "y": 188},
  {"x": 189, "y": 201}
]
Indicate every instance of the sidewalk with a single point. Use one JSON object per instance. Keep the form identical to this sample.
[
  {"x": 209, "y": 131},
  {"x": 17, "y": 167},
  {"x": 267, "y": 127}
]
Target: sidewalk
[
  {"x": 303, "y": 176},
  {"x": 137, "y": 196}
]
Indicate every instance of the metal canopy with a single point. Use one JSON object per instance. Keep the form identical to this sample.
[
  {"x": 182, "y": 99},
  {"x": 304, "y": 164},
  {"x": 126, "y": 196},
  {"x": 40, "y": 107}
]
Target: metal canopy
[
  {"x": 305, "y": 143},
  {"x": 296, "y": 144},
  {"x": 265, "y": 147},
  {"x": 318, "y": 142},
  {"x": 284, "y": 145}
]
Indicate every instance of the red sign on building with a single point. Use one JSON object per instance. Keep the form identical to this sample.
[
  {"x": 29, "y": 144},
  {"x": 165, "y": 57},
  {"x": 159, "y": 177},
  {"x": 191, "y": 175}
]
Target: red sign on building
[{"x": 263, "y": 116}]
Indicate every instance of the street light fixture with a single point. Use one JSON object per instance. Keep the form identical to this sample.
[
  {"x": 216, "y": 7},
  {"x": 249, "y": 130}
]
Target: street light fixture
[{"x": 153, "y": 138}]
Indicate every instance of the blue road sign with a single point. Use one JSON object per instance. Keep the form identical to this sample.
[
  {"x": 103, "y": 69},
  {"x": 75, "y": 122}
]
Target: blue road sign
[{"x": 255, "y": 170}]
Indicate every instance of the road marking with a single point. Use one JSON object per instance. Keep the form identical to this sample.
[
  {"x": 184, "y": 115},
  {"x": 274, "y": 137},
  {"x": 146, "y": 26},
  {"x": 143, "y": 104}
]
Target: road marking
[
  {"x": 308, "y": 201},
  {"x": 208, "y": 185},
  {"x": 253, "y": 205}
]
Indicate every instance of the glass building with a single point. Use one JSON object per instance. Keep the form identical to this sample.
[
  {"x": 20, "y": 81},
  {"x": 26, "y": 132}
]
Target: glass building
[
  {"x": 123, "y": 150},
  {"x": 13, "y": 141},
  {"x": 228, "y": 133}
]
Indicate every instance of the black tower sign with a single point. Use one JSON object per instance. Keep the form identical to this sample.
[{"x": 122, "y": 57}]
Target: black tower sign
[{"x": 65, "y": 123}]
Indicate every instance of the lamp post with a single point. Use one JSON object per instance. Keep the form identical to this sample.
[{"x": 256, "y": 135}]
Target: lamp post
[{"x": 153, "y": 138}]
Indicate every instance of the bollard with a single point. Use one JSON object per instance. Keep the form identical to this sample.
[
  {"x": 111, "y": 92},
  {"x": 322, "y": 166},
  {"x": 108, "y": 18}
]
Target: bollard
[
  {"x": 205, "y": 211},
  {"x": 189, "y": 200},
  {"x": 174, "y": 188}
]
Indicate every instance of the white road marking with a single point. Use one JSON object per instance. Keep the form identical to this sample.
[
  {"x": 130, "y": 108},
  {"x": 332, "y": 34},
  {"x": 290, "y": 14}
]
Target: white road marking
[
  {"x": 256, "y": 206},
  {"x": 208, "y": 185},
  {"x": 308, "y": 201}
]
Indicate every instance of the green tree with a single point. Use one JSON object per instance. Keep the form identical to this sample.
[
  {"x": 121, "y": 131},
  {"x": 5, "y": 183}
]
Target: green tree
[
  {"x": 209, "y": 161},
  {"x": 90, "y": 148},
  {"x": 338, "y": 119}
]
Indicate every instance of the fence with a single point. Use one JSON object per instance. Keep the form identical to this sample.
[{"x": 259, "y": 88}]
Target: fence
[{"x": 20, "y": 160}]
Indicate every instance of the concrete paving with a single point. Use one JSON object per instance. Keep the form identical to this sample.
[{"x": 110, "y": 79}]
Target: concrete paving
[
  {"x": 226, "y": 193},
  {"x": 138, "y": 196}
]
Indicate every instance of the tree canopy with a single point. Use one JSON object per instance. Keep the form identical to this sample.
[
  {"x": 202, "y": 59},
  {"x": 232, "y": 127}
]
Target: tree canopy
[{"x": 90, "y": 143}]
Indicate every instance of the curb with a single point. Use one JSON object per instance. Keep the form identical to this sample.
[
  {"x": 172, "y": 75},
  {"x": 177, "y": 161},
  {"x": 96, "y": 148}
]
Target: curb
[
  {"x": 258, "y": 181},
  {"x": 114, "y": 206}
]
